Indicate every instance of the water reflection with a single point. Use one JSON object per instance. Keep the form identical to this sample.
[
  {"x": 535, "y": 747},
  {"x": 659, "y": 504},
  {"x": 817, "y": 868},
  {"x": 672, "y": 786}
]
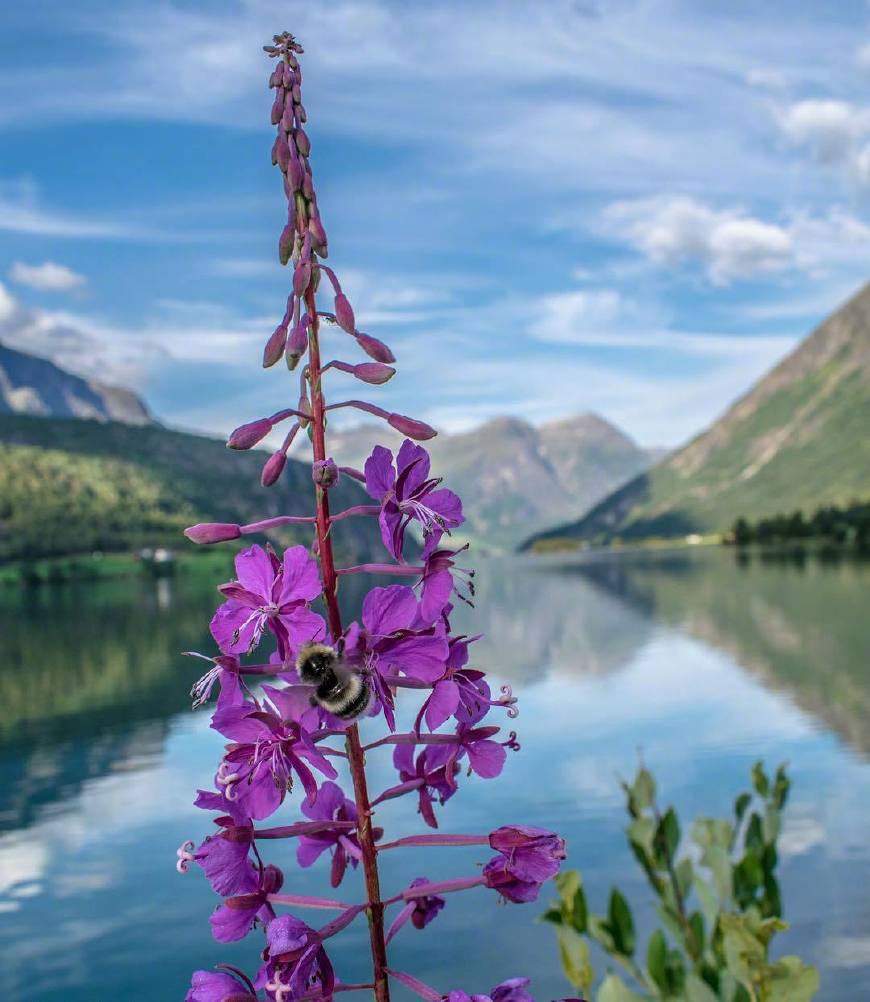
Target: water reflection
[{"x": 702, "y": 662}]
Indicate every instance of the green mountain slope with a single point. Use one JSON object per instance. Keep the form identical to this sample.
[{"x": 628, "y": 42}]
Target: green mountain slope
[
  {"x": 799, "y": 438},
  {"x": 72, "y": 486}
]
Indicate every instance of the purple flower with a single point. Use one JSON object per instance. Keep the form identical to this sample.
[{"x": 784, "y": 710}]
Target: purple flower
[
  {"x": 226, "y": 673},
  {"x": 421, "y": 911},
  {"x": 512, "y": 990},
  {"x": 431, "y": 774},
  {"x": 296, "y": 963},
  {"x": 270, "y": 744},
  {"x": 407, "y": 493},
  {"x": 330, "y": 804},
  {"x": 485, "y": 756},
  {"x": 388, "y": 639},
  {"x": 224, "y": 859},
  {"x": 527, "y": 858},
  {"x": 272, "y": 593},
  {"x": 236, "y": 916},
  {"x": 462, "y": 693},
  {"x": 439, "y": 580},
  {"x": 214, "y": 986}
]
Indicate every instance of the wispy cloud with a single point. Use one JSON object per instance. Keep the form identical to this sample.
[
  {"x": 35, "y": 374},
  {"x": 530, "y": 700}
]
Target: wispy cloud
[{"x": 46, "y": 277}]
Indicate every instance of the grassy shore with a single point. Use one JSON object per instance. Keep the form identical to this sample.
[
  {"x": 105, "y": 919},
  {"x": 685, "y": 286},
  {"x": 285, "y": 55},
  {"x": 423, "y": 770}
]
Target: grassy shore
[{"x": 102, "y": 566}]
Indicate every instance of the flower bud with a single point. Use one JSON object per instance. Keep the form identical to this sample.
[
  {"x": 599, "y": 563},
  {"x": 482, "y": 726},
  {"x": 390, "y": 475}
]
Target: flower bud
[
  {"x": 246, "y": 436},
  {"x": 213, "y": 532},
  {"x": 325, "y": 473},
  {"x": 297, "y": 343},
  {"x": 295, "y": 171},
  {"x": 278, "y": 106},
  {"x": 307, "y": 184},
  {"x": 375, "y": 373},
  {"x": 277, "y": 77},
  {"x": 296, "y": 91},
  {"x": 304, "y": 407},
  {"x": 303, "y": 143},
  {"x": 301, "y": 114},
  {"x": 288, "y": 115},
  {"x": 318, "y": 234},
  {"x": 374, "y": 348},
  {"x": 281, "y": 152},
  {"x": 273, "y": 468},
  {"x": 275, "y": 346},
  {"x": 301, "y": 277},
  {"x": 418, "y": 430},
  {"x": 289, "y": 77},
  {"x": 344, "y": 313},
  {"x": 285, "y": 246}
]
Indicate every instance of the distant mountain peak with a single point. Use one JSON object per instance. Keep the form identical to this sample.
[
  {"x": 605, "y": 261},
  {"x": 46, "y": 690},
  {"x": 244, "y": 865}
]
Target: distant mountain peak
[
  {"x": 514, "y": 477},
  {"x": 36, "y": 386},
  {"x": 796, "y": 439}
]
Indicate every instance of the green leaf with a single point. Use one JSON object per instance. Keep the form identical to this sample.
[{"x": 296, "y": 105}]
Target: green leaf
[
  {"x": 709, "y": 904},
  {"x": 744, "y": 953},
  {"x": 740, "y": 805},
  {"x": 748, "y": 878},
  {"x": 621, "y": 923},
  {"x": 600, "y": 931},
  {"x": 754, "y": 839},
  {"x": 697, "y": 990},
  {"x": 574, "y": 955},
  {"x": 667, "y": 837},
  {"x": 717, "y": 859},
  {"x": 570, "y": 887},
  {"x": 696, "y": 924},
  {"x": 644, "y": 789},
  {"x": 781, "y": 786},
  {"x": 641, "y": 832},
  {"x": 759, "y": 779},
  {"x": 614, "y": 989},
  {"x": 771, "y": 824},
  {"x": 684, "y": 876},
  {"x": 553, "y": 915},
  {"x": 656, "y": 959},
  {"x": 790, "y": 980}
]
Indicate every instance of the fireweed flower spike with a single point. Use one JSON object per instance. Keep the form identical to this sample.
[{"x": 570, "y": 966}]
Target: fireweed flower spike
[{"x": 280, "y": 745}]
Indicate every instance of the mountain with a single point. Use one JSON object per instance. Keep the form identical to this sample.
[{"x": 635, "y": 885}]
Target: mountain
[
  {"x": 72, "y": 486},
  {"x": 32, "y": 385},
  {"x": 798, "y": 439},
  {"x": 514, "y": 477}
]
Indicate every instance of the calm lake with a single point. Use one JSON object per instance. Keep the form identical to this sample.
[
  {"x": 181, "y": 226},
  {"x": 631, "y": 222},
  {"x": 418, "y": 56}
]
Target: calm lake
[{"x": 699, "y": 661}]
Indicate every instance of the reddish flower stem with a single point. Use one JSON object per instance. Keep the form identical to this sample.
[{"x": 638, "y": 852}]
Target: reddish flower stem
[{"x": 355, "y": 753}]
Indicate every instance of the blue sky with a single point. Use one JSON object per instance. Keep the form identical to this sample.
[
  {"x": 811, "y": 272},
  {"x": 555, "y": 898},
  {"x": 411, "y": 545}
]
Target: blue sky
[{"x": 633, "y": 207}]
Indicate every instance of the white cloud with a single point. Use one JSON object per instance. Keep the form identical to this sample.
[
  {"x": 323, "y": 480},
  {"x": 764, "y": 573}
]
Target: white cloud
[
  {"x": 673, "y": 229},
  {"x": 46, "y": 277},
  {"x": 863, "y": 56},
  {"x": 829, "y": 128}
]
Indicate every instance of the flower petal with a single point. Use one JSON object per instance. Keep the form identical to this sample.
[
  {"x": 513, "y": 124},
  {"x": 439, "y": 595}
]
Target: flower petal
[
  {"x": 447, "y": 505},
  {"x": 254, "y": 571},
  {"x": 486, "y": 758},
  {"x": 420, "y": 657},
  {"x": 236, "y": 628},
  {"x": 379, "y": 471},
  {"x": 300, "y": 578},
  {"x": 442, "y": 703},
  {"x": 386, "y": 610},
  {"x": 409, "y": 454}
]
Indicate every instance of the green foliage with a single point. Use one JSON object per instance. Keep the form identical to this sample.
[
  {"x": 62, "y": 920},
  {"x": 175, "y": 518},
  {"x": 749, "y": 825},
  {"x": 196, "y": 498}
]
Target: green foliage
[
  {"x": 719, "y": 903},
  {"x": 830, "y": 526},
  {"x": 73, "y": 487}
]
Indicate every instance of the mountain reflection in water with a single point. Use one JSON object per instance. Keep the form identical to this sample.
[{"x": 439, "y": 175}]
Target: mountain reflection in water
[{"x": 702, "y": 661}]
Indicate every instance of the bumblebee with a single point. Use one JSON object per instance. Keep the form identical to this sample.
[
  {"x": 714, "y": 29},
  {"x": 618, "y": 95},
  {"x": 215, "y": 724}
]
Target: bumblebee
[{"x": 338, "y": 688}]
